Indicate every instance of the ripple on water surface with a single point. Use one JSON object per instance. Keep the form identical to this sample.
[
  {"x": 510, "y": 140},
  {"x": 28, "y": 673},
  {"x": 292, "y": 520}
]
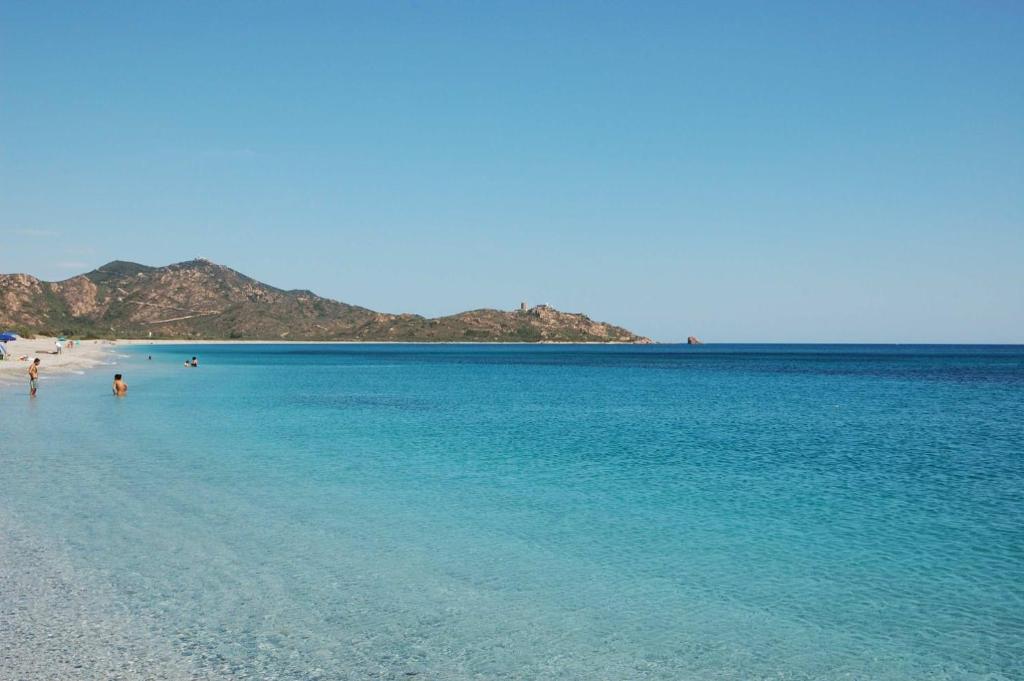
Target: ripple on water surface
[{"x": 534, "y": 513}]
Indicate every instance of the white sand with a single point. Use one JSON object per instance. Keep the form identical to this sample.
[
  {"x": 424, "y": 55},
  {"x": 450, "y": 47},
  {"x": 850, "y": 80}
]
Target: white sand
[{"x": 86, "y": 354}]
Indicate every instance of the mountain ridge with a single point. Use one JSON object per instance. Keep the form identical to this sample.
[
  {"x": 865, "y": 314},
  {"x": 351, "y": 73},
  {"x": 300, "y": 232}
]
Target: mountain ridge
[{"x": 200, "y": 299}]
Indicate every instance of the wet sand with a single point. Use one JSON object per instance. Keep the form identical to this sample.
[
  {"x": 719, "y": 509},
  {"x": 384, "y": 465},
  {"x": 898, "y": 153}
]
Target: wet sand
[{"x": 84, "y": 356}]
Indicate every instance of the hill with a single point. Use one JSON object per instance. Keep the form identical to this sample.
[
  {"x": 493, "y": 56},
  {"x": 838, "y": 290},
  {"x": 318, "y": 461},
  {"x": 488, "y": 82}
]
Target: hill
[{"x": 200, "y": 299}]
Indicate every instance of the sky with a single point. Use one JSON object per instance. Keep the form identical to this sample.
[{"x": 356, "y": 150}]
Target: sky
[{"x": 738, "y": 171}]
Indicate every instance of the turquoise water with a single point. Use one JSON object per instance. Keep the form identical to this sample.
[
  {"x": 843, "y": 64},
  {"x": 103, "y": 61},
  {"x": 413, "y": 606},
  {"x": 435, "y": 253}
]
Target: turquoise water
[{"x": 482, "y": 512}]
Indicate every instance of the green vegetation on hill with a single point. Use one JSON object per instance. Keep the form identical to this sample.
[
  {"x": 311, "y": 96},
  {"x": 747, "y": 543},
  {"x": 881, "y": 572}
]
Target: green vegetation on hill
[{"x": 202, "y": 300}]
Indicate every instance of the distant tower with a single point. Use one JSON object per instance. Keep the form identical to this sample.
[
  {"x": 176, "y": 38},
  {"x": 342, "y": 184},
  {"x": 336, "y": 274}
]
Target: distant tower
[{"x": 522, "y": 306}]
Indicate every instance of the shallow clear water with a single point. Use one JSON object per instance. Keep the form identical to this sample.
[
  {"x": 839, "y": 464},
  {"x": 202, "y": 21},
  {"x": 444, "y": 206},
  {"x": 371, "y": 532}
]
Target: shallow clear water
[{"x": 482, "y": 512}]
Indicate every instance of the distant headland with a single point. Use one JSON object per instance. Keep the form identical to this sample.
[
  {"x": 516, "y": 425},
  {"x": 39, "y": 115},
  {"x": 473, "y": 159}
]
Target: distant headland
[{"x": 201, "y": 300}]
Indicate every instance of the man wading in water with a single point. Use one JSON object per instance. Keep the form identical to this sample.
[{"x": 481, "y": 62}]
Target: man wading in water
[{"x": 33, "y": 377}]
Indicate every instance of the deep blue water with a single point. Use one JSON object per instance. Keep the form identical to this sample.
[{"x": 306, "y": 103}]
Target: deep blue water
[{"x": 525, "y": 512}]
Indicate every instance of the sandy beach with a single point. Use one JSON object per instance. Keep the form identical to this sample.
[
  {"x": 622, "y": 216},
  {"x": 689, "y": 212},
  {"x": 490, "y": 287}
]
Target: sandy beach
[{"x": 85, "y": 355}]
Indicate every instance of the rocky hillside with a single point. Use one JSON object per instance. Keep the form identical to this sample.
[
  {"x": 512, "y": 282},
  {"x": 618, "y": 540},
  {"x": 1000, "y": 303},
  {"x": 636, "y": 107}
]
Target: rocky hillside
[{"x": 200, "y": 299}]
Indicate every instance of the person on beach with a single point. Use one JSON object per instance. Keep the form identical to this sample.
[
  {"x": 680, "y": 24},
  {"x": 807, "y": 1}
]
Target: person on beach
[
  {"x": 33, "y": 377},
  {"x": 120, "y": 388}
]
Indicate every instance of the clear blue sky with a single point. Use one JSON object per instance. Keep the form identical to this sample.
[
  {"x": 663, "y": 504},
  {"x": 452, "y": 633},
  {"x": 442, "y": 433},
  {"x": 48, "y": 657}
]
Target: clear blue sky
[{"x": 849, "y": 171}]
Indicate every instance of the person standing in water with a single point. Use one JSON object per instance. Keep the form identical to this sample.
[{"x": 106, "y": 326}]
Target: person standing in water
[
  {"x": 120, "y": 388},
  {"x": 33, "y": 377},
  {"x": 195, "y": 362}
]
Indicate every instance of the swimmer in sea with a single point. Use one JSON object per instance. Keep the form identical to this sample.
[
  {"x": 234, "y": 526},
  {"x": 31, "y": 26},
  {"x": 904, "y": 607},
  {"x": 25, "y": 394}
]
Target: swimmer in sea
[
  {"x": 120, "y": 388},
  {"x": 33, "y": 377}
]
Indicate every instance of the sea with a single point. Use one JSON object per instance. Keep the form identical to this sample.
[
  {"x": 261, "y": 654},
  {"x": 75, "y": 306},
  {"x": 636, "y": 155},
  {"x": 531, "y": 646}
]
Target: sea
[{"x": 668, "y": 512}]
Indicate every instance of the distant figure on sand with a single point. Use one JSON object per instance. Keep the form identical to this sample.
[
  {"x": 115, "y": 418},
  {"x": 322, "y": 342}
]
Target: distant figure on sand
[
  {"x": 60, "y": 348},
  {"x": 33, "y": 377},
  {"x": 195, "y": 362},
  {"x": 120, "y": 387}
]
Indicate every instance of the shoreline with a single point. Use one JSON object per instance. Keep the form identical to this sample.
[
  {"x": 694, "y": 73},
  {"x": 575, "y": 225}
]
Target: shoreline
[
  {"x": 89, "y": 354},
  {"x": 165, "y": 341},
  {"x": 85, "y": 355}
]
